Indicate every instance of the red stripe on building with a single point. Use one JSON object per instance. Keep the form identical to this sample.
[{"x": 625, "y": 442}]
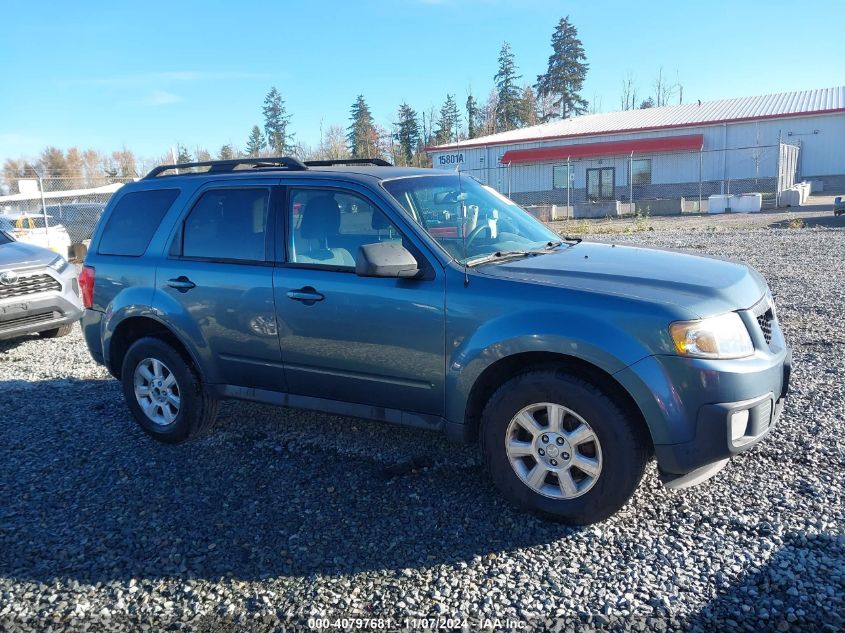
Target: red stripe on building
[{"x": 687, "y": 142}]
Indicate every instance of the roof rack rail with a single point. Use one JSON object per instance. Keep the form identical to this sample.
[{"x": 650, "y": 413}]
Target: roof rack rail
[
  {"x": 216, "y": 166},
  {"x": 376, "y": 162}
]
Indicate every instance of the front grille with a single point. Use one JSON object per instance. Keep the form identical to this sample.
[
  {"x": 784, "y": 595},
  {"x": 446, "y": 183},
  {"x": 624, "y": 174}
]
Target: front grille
[
  {"x": 765, "y": 321},
  {"x": 765, "y": 315},
  {"x": 29, "y": 319},
  {"x": 29, "y": 285}
]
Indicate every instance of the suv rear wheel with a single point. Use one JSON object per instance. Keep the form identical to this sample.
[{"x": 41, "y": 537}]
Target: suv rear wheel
[
  {"x": 557, "y": 445},
  {"x": 164, "y": 392}
]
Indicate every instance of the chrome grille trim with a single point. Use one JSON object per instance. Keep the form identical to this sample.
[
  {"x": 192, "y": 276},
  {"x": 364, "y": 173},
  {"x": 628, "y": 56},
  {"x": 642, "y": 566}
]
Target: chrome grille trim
[{"x": 30, "y": 285}]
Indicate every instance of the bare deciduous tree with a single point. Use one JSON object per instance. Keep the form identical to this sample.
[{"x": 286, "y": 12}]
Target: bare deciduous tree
[{"x": 629, "y": 92}]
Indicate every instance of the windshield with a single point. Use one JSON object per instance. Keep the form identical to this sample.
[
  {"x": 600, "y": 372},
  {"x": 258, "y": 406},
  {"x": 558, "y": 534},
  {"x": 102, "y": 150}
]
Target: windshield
[{"x": 469, "y": 220}]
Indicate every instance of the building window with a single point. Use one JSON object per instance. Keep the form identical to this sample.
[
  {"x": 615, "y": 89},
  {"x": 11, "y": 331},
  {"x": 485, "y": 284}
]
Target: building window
[
  {"x": 562, "y": 176},
  {"x": 641, "y": 171}
]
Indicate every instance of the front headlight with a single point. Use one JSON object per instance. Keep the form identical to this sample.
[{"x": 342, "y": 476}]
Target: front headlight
[
  {"x": 59, "y": 264},
  {"x": 723, "y": 336}
]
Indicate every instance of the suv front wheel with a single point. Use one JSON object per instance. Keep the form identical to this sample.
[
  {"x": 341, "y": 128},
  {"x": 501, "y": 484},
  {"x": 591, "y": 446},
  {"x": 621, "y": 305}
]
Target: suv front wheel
[
  {"x": 164, "y": 392},
  {"x": 558, "y": 446}
]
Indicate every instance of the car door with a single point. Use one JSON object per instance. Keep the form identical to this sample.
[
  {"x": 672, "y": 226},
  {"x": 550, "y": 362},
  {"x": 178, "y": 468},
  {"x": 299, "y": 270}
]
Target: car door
[
  {"x": 219, "y": 272},
  {"x": 375, "y": 341}
]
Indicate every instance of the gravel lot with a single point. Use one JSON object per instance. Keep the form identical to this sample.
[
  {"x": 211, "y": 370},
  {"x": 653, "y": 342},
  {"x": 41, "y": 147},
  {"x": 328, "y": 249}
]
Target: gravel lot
[{"x": 280, "y": 515}]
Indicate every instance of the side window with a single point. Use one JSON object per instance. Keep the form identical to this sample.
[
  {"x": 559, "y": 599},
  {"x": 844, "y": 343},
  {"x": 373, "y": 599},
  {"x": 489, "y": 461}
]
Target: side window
[
  {"x": 133, "y": 221},
  {"x": 328, "y": 226},
  {"x": 228, "y": 224}
]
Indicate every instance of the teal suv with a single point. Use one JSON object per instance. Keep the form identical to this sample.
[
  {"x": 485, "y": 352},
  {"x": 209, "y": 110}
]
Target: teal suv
[{"x": 425, "y": 298}]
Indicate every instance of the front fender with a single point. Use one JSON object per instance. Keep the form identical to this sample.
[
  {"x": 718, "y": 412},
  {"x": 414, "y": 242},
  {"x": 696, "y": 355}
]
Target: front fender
[{"x": 590, "y": 338}]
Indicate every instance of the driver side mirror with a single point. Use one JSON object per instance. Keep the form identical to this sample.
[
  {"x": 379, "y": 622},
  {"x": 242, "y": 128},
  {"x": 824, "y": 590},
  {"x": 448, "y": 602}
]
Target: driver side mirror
[{"x": 385, "y": 259}]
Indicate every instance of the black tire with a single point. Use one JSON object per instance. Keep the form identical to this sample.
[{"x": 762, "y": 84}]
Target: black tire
[
  {"x": 197, "y": 409},
  {"x": 63, "y": 330},
  {"x": 624, "y": 449}
]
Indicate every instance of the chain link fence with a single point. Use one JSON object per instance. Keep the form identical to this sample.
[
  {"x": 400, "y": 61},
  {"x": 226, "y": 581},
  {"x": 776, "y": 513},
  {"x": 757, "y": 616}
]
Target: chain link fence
[
  {"x": 649, "y": 184},
  {"x": 62, "y": 213},
  {"x": 58, "y": 213}
]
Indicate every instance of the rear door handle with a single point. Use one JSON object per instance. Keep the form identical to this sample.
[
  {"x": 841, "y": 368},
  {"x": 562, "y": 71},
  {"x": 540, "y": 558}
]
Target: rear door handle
[
  {"x": 181, "y": 283},
  {"x": 306, "y": 295}
]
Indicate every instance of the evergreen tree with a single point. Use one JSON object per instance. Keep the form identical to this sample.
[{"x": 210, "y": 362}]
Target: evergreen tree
[
  {"x": 564, "y": 78},
  {"x": 361, "y": 133},
  {"x": 472, "y": 116},
  {"x": 255, "y": 143},
  {"x": 276, "y": 121},
  {"x": 528, "y": 107},
  {"x": 226, "y": 152},
  {"x": 407, "y": 134},
  {"x": 508, "y": 105},
  {"x": 448, "y": 124},
  {"x": 183, "y": 155},
  {"x": 648, "y": 103}
]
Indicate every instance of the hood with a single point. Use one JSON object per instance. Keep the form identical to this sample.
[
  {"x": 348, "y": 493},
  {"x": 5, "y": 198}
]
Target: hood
[
  {"x": 17, "y": 255},
  {"x": 700, "y": 284}
]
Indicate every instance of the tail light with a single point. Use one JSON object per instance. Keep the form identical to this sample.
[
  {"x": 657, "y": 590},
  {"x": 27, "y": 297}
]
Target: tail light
[{"x": 86, "y": 282}]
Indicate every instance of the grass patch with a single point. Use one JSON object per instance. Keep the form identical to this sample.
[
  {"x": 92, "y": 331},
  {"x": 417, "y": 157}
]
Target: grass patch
[{"x": 634, "y": 224}]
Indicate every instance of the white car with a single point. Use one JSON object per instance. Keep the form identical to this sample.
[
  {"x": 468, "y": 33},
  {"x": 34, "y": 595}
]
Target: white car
[{"x": 30, "y": 228}]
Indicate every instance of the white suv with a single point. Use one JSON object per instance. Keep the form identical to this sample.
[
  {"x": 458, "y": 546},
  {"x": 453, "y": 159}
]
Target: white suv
[{"x": 39, "y": 290}]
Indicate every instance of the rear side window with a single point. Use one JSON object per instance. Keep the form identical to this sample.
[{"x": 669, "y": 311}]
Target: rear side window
[
  {"x": 133, "y": 221},
  {"x": 228, "y": 224}
]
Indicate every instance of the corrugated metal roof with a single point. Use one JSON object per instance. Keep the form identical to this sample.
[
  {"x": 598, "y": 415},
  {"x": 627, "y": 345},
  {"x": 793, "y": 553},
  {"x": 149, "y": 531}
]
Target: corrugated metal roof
[{"x": 688, "y": 114}]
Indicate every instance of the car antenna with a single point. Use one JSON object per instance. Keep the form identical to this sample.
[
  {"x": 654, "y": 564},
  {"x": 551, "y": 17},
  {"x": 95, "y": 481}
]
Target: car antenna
[{"x": 463, "y": 217}]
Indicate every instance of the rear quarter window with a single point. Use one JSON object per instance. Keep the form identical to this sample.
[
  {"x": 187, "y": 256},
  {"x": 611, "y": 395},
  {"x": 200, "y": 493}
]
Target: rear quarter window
[{"x": 133, "y": 221}]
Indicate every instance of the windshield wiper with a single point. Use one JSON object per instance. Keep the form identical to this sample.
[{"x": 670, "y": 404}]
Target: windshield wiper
[
  {"x": 500, "y": 255},
  {"x": 570, "y": 241}
]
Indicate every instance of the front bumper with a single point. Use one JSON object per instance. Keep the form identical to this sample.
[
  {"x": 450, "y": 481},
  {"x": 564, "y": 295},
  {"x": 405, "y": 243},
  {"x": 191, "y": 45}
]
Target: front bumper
[
  {"x": 694, "y": 408},
  {"x": 41, "y": 311},
  {"x": 716, "y": 440}
]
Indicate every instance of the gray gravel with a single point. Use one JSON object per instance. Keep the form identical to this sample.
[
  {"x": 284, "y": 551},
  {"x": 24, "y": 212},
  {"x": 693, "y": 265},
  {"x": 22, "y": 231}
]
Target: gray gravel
[{"x": 282, "y": 515}]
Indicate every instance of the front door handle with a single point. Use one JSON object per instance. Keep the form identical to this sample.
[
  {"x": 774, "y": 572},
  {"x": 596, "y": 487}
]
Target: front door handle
[
  {"x": 306, "y": 295},
  {"x": 181, "y": 283}
]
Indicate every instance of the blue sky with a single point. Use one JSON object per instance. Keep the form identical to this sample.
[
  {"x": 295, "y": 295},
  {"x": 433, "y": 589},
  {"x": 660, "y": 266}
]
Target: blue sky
[{"x": 150, "y": 75}]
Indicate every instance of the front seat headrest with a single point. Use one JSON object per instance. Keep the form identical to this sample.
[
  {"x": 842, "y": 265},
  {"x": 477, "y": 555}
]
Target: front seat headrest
[{"x": 320, "y": 218}]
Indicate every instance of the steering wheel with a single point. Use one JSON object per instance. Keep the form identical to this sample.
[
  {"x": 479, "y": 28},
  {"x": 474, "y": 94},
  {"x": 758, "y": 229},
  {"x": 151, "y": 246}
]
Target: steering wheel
[{"x": 475, "y": 233}]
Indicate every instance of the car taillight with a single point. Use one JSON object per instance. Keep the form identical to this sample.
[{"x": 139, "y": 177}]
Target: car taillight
[{"x": 86, "y": 282}]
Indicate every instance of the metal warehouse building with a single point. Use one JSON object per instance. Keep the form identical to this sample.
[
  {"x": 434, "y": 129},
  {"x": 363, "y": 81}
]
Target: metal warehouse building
[{"x": 679, "y": 154}]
